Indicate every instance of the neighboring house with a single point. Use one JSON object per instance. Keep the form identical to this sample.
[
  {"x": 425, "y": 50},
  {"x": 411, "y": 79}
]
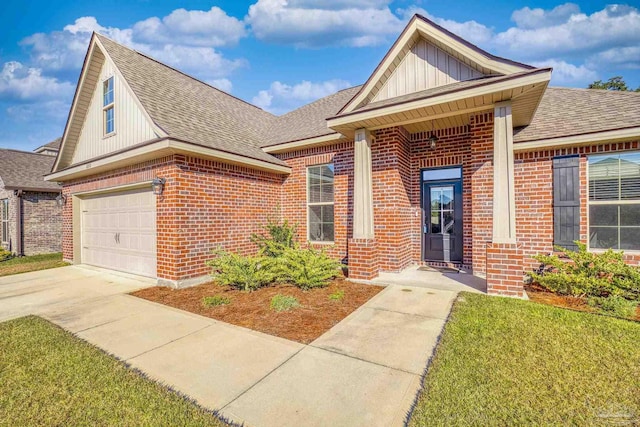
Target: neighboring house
[
  {"x": 50, "y": 148},
  {"x": 446, "y": 155},
  {"x": 31, "y": 217}
]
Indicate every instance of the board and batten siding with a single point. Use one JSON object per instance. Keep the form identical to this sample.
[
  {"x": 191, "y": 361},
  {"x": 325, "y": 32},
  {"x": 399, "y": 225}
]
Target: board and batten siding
[
  {"x": 425, "y": 66},
  {"x": 131, "y": 125}
]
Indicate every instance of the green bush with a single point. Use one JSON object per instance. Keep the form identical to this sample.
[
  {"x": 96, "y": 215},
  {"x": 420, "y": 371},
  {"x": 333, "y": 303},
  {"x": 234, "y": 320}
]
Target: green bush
[
  {"x": 5, "y": 255},
  {"x": 215, "y": 300},
  {"x": 284, "y": 303},
  {"x": 583, "y": 273},
  {"x": 246, "y": 273},
  {"x": 279, "y": 236},
  {"x": 614, "y": 305},
  {"x": 306, "y": 268},
  {"x": 337, "y": 295}
]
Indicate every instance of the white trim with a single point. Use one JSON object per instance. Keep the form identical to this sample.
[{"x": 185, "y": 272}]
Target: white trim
[
  {"x": 303, "y": 143},
  {"x": 114, "y": 189},
  {"x": 529, "y": 79},
  {"x": 308, "y": 203},
  {"x": 583, "y": 139},
  {"x": 423, "y": 28},
  {"x": 157, "y": 149}
]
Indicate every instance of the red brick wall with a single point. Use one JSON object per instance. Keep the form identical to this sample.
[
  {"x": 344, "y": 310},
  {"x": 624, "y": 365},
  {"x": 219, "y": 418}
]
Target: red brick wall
[
  {"x": 294, "y": 192},
  {"x": 481, "y": 129},
  {"x": 41, "y": 223},
  {"x": 205, "y": 205},
  {"x": 534, "y": 197}
]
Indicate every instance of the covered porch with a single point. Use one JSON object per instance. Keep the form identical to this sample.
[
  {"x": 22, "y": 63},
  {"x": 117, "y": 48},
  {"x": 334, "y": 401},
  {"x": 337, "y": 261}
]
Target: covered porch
[{"x": 433, "y": 182}]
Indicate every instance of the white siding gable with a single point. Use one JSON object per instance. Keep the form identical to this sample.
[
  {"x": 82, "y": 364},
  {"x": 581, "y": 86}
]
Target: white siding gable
[
  {"x": 425, "y": 66},
  {"x": 131, "y": 124}
]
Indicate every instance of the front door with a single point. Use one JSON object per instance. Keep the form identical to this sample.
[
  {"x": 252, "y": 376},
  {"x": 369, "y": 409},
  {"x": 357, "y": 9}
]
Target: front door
[{"x": 442, "y": 207}]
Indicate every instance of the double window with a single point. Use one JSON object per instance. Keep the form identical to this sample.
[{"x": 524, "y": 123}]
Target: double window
[
  {"x": 320, "y": 203},
  {"x": 108, "y": 106},
  {"x": 614, "y": 201},
  {"x": 5, "y": 220}
]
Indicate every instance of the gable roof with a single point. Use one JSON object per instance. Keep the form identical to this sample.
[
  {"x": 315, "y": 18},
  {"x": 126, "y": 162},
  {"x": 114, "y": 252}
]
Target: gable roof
[
  {"x": 421, "y": 27},
  {"x": 567, "y": 111},
  {"x": 50, "y": 146},
  {"x": 26, "y": 170},
  {"x": 309, "y": 120}
]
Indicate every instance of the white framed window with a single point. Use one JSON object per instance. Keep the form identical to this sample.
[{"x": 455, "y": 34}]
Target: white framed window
[
  {"x": 614, "y": 201},
  {"x": 108, "y": 108},
  {"x": 320, "y": 224},
  {"x": 5, "y": 220}
]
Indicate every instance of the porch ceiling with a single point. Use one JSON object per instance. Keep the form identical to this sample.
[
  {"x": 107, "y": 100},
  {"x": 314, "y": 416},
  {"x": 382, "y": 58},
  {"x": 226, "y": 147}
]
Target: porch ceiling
[{"x": 423, "y": 111}]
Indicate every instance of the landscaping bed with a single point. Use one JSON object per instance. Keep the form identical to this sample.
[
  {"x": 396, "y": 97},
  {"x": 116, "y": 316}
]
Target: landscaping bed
[
  {"x": 316, "y": 314},
  {"x": 48, "y": 377},
  {"x": 504, "y": 361},
  {"x": 537, "y": 293}
]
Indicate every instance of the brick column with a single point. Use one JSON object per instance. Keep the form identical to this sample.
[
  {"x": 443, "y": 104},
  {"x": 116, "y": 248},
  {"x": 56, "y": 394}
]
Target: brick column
[
  {"x": 363, "y": 259},
  {"x": 504, "y": 269}
]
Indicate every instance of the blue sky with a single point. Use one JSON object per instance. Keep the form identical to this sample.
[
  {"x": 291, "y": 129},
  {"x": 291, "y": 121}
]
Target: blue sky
[{"x": 280, "y": 54}]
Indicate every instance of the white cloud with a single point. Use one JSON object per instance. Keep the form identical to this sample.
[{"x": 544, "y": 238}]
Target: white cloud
[
  {"x": 281, "y": 97},
  {"x": 305, "y": 23},
  {"x": 528, "y": 18},
  {"x": 471, "y": 31},
  {"x": 565, "y": 73},
  {"x": 626, "y": 57},
  {"x": 210, "y": 28},
  {"x": 24, "y": 83}
]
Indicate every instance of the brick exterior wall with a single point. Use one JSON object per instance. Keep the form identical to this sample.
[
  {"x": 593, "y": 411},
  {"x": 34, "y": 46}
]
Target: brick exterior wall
[
  {"x": 205, "y": 205},
  {"x": 41, "y": 222},
  {"x": 534, "y": 197}
]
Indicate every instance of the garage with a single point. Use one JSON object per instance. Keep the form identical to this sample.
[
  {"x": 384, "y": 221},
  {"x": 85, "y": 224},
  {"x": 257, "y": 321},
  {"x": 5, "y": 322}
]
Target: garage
[{"x": 119, "y": 231}]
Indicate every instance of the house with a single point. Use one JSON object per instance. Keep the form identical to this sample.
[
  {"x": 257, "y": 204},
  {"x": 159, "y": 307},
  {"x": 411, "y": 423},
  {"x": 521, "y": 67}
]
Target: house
[
  {"x": 446, "y": 155},
  {"x": 50, "y": 148},
  {"x": 31, "y": 217}
]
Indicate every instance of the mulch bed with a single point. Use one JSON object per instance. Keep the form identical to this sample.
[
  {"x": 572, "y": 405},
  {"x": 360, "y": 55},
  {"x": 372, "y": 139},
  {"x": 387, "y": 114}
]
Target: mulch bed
[
  {"x": 539, "y": 294},
  {"x": 316, "y": 315}
]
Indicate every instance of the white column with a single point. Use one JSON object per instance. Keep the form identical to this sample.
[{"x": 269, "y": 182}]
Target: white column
[
  {"x": 504, "y": 206},
  {"x": 362, "y": 186}
]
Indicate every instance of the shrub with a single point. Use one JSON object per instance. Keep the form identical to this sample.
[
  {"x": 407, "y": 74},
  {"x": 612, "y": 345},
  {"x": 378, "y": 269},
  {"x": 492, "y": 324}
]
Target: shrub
[
  {"x": 5, "y": 255},
  {"x": 280, "y": 236},
  {"x": 306, "y": 268},
  {"x": 337, "y": 295},
  {"x": 246, "y": 273},
  {"x": 583, "y": 273},
  {"x": 283, "y": 303},
  {"x": 614, "y": 305},
  {"x": 215, "y": 300}
]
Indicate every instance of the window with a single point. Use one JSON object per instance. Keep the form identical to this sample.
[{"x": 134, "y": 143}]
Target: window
[
  {"x": 107, "y": 106},
  {"x": 614, "y": 201},
  {"x": 5, "y": 220},
  {"x": 320, "y": 203}
]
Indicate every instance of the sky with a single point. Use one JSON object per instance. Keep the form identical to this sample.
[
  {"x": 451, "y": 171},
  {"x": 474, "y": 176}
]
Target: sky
[{"x": 281, "y": 54}]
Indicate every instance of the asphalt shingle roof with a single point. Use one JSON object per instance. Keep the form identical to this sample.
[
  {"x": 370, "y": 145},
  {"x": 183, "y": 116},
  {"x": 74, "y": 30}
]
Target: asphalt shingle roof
[
  {"x": 23, "y": 169},
  {"x": 309, "y": 120},
  {"x": 190, "y": 110},
  {"x": 567, "y": 111}
]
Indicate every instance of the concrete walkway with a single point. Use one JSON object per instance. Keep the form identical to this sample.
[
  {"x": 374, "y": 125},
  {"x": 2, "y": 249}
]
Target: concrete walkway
[{"x": 365, "y": 371}]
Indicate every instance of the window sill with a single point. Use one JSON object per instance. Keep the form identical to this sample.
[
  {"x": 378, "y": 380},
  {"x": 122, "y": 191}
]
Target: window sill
[
  {"x": 312, "y": 242},
  {"x": 109, "y": 135},
  {"x": 626, "y": 251}
]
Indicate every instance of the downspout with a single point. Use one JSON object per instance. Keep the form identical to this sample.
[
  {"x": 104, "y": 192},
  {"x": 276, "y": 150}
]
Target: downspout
[{"x": 19, "y": 248}]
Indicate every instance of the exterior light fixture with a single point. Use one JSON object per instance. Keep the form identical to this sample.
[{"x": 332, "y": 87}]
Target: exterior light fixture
[
  {"x": 61, "y": 200},
  {"x": 157, "y": 185},
  {"x": 433, "y": 139}
]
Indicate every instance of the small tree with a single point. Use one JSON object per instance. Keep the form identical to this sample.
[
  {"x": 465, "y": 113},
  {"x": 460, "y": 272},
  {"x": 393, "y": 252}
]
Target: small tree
[{"x": 614, "y": 83}]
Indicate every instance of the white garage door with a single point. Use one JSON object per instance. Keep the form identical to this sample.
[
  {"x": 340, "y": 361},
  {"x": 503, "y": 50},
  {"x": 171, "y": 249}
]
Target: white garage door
[{"x": 119, "y": 232}]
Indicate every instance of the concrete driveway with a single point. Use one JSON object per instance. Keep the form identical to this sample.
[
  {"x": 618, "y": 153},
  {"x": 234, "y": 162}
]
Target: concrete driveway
[{"x": 365, "y": 371}]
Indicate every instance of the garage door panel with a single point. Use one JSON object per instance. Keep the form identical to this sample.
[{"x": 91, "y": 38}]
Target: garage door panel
[{"x": 119, "y": 232}]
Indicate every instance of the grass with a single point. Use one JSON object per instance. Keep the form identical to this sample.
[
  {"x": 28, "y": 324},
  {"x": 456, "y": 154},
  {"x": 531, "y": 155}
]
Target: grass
[
  {"x": 26, "y": 264},
  {"x": 215, "y": 300},
  {"x": 510, "y": 362},
  {"x": 337, "y": 295},
  {"x": 284, "y": 303},
  {"x": 49, "y": 377}
]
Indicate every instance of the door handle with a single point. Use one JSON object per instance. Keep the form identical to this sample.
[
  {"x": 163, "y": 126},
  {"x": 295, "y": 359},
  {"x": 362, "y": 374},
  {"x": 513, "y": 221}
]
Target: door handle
[
  {"x": 118, "y": 238},
  {"x": 115, "y": 237}
]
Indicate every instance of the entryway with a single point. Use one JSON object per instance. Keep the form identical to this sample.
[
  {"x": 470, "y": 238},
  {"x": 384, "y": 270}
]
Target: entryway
[{"x": 442, "y": 207}]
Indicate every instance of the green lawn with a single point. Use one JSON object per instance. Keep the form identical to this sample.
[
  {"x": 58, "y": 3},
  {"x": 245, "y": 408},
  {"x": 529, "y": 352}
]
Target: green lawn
[
  {"x": 31, "y": 263},
  {"x": 511, "y": 362},
  {"x": 49, "y": 377}
]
